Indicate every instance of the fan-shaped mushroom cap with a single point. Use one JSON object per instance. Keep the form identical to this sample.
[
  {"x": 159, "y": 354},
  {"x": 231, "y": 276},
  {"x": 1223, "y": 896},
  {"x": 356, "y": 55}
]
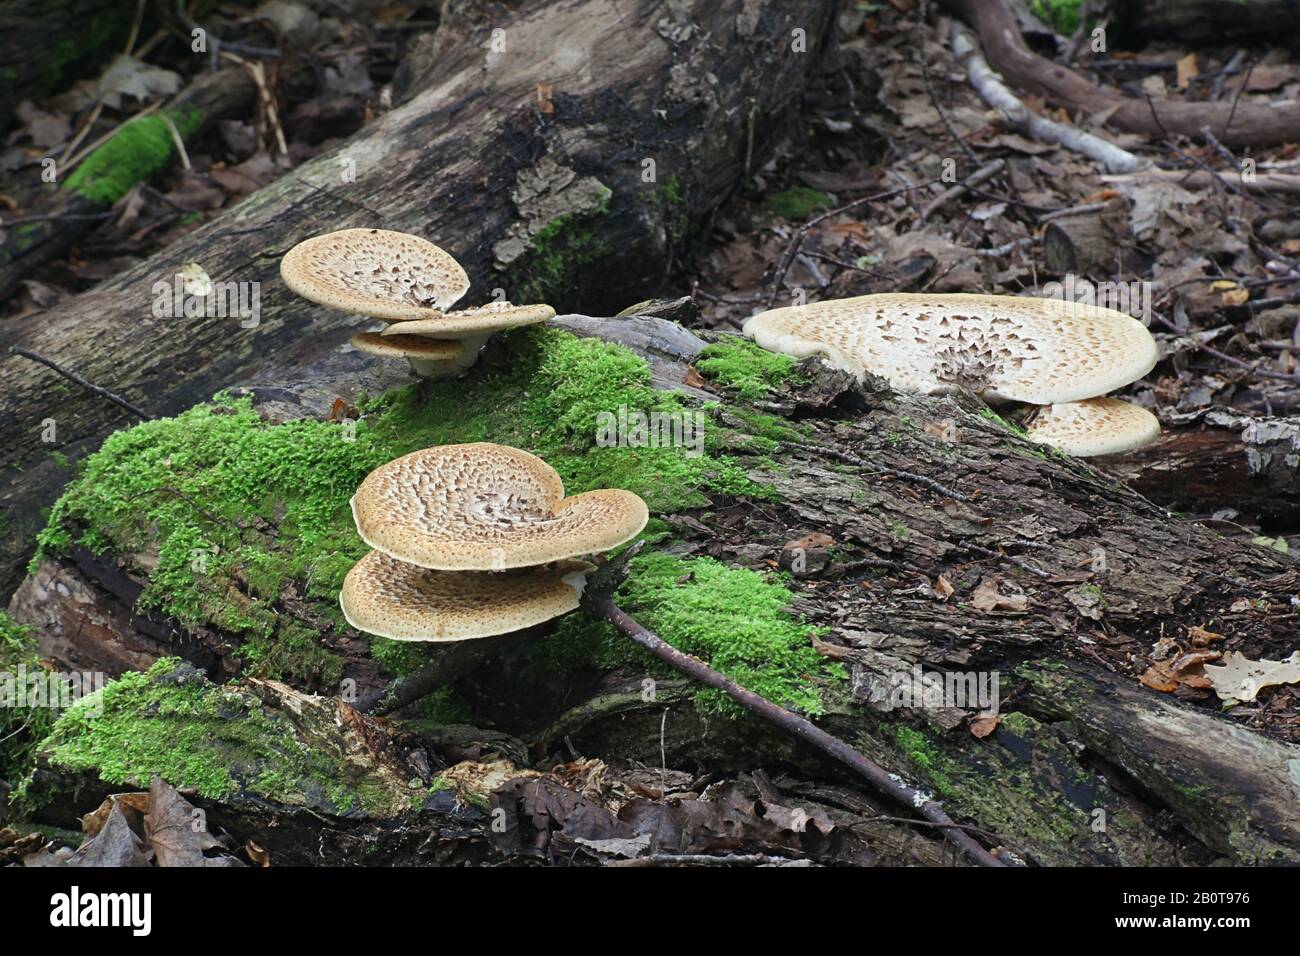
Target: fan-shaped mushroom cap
[
  {"x": 431, "y": 358},
  {"x": 1006, "y": 347},
  {"x": 407, "y": 603},
  {"x": 481, "y": 321},
  {"x": 486, "y": 507},
  {"x": 1098, "y": 426},
  {"x": 407, "y": 346},
  {"x": 388, "y": 275}
]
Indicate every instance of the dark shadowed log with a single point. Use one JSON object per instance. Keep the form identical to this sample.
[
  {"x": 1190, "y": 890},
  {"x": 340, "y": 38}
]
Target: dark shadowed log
[
  {"x": 514, "y": 136},
  {"x": 1248, "y": 464}
]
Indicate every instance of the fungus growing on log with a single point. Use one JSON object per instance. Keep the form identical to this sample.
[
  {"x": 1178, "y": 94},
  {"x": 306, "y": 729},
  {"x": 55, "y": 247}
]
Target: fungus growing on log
[
  {"x": 408, "y": 281},
  {"x": 1097, "y": 426},
  {"x": 428, "y": 357},
  {"x": 404, "y": 602},
  {"x": 1040, "y": 351},
  {"x": 486, "y": 507},
  {"x": 475, "y": 540},
  {"x": 1044, "y": 352},
  {"x": 388, "y": 275}
]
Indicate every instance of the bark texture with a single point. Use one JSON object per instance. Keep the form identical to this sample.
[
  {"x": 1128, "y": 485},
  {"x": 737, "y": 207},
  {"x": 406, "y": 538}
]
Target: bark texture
[
  {"x": 560, "y": 152},
  {"x": 1063, "y": 580}
]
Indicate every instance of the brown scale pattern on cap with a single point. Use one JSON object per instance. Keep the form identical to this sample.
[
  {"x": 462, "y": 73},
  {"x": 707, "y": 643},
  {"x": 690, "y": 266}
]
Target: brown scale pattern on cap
[
  {"x": 486, "y": 507},
  {"x": 389, "y": 275},
  {"x": 407, "y": 346},
  {"x": 407, "y": 603},
  {"x": 493, "y": 317},
  {"x": 1006, "y": 347},
  {"x": 1098, "y": 426}
]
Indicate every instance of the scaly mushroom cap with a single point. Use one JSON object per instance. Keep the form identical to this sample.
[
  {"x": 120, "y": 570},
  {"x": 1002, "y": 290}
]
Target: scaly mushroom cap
[
  {"x": 407, "y": 346},
  {"x": 1098, "y": 426},
  {"x": 486, "y": 507},
  {"x": 407, "y": 603},
  {"x": 1040, "y": 351},
  {"x": 389, "y": 275},
  {"x": 484, "y": 320}
]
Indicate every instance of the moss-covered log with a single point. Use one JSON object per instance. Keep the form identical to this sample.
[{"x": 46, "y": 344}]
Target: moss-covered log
[
  {"x": 647, "y": 127},
  {"x": 957, "y": 547}
]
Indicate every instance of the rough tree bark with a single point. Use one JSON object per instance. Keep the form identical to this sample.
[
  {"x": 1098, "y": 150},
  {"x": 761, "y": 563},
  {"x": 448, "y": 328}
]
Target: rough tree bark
[
  {"x": 511, "y": 138},
  {"x": 1063, "y": 580}
]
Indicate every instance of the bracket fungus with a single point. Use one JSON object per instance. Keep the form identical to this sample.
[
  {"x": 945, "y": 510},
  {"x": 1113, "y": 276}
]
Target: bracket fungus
[
  {"x": 469, "y": 328},
  {"x": 409, "y": 282},
  {"x": 475, "y": 540},
  {"x": 1004, "y": 348},
  {"x": 428, "y": 357},
  {"x": 404, "y": 602},
  {"x": 486, "y": 507},
  {"x": 388, "y": 275},
  {"x": 1096, "y": 426}
]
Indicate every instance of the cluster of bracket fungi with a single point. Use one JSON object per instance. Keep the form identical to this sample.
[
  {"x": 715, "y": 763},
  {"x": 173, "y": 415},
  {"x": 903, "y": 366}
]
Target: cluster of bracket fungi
[
  {"x": 408, "y": 282},
  {"x": 475, "y": 540},
  {"x": 1058, "y": 357}
]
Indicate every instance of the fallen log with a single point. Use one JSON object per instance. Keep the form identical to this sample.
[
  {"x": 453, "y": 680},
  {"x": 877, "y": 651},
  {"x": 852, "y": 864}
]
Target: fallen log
[
  {"x": 958, "y": 549},
  {"x": 517, "y": 143},
  {"x": 1235, "y": 122}
]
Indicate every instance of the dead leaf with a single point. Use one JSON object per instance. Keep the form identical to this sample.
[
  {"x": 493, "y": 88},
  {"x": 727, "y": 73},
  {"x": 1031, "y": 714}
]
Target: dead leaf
[
  {"x": 127, "y": 76},
  {"x": 1240, "y": 678},
  {"x": 987, "y": 598},
  {"x": 981, "y": 727},
  {"x": 544, "y": 91},
  {"x": 943, "y": 587},
  {"x": 1200, "y": 637},
  {"x": 258, "y": 855},
  {"x": 1186, "y": 70},
  {"x": 176, "y": 832}
]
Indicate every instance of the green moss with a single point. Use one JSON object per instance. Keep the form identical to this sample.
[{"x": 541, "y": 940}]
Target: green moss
[
  {"x": 740, "y": 364},
  {"x": 138, "y": 150},
  {"x": 556, "y": 256},
  {"x": 797, "y": 203},
  {"x": 193, "y": 491},
  {"x": 171, "y": 722},
  {"x": 21, "y": 728},
  {"x": 1061, "y": 15},
  {"x": 735, "y": 619},
  {"x": 993, "y": 416}
]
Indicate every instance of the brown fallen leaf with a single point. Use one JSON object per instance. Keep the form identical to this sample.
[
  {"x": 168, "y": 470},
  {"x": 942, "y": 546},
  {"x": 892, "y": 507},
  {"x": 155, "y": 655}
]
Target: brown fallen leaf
[
  {"x": 1157, "y": 677},
  {"x": 1240, "y": 678},
  {"x": 1200, "y": 637},
  {"x": 258, "y": 855},
  {"x": 943, "y": 587},
  {"x": 987, "y": 598},
  {"x": 981, "y": 727},
  {"x": 1187, "y": 70}
]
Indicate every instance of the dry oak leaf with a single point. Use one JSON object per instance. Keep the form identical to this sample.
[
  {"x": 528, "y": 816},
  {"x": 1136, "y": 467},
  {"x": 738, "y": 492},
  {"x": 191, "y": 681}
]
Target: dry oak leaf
[
  {"x": 987, "y": 599},
  {"x": 1240, "y": 678}
]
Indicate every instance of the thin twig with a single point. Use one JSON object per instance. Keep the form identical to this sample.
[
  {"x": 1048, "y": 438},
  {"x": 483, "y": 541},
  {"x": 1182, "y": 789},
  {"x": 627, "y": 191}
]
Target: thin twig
[
  {"x": 596, "y": 600},
  {"x": 77, "y": 379}
]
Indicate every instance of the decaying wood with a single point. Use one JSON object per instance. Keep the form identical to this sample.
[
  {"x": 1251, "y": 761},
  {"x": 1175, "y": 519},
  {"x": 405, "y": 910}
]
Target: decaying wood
[
  {"x": 1250, "y": 465},
  {"x": 1235, "y": 123},
  {"x": 642, "y": 99},
  {"x": 1085, "y": 576}
]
